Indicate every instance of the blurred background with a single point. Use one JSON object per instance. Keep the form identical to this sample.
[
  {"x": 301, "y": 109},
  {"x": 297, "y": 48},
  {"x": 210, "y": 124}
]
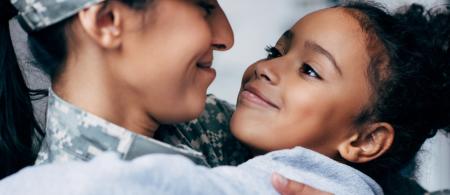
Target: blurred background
[{"x": 258, "y": 23}]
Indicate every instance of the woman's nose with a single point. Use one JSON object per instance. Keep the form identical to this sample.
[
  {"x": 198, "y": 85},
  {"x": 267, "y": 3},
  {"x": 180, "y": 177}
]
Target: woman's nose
[{"x": 222, "y": 33}]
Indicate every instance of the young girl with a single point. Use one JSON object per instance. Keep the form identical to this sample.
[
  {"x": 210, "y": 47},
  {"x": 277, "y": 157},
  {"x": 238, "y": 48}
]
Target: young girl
[
  {"x": 357, "y": 88},
  {"x": 302, "y": 94},
  {"x": 369, "y": 102}
]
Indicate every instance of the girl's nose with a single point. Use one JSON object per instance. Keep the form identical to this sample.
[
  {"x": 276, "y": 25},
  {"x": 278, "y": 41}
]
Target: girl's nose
[{"x": 266, "y": 71}]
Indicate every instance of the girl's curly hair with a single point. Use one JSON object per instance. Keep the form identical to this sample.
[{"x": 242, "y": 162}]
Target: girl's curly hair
[{"x": 410, "y": 76}]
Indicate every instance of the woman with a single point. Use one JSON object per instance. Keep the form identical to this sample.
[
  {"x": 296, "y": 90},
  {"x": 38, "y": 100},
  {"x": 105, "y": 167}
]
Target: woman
[{"x": 103, "y": 53}]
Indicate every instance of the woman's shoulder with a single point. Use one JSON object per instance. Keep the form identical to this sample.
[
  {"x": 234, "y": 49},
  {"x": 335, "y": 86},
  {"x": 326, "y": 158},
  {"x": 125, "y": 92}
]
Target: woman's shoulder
[
  {"x": 209, "y": 134},
  {"x": 219, "y": 106}
]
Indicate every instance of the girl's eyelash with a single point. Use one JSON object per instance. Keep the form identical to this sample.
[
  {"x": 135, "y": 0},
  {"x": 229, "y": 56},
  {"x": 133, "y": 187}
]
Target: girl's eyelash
[
  {"x": 309, "y": 71},
  {"x": 206, "y": 6},
  {"x": 306, "y": 69},
  {"x": 272, "y": 52}
]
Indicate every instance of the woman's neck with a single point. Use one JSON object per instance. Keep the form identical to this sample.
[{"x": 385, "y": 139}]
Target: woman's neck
[{"x": 88, "y": 85}]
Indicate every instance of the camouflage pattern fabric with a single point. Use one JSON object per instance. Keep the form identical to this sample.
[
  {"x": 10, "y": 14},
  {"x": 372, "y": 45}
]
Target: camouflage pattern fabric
[
  {"x": 73, "y": 134},
  {"x": 38, "y": 14},
  {"x": 209, "y": 134}
]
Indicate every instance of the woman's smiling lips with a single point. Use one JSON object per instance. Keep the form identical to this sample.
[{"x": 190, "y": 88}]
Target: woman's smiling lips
[
  {"x": 207, "y": 68},
  {"x": 206, "y": 61},
  {"x": 253, "y": 95},
  {"x": 204, "y": 65}
]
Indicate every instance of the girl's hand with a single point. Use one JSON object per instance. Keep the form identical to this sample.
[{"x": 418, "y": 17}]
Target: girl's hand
[{"x": 288, "y": 187}]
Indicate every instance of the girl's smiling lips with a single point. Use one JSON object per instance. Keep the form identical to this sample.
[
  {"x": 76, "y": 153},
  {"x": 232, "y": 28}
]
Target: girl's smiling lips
[{"x": 252, "y": 94}]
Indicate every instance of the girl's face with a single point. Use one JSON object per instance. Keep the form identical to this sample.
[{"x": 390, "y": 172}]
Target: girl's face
[
  {"x": 310, "y": 89},
  {"x": 165, "y": 64}
]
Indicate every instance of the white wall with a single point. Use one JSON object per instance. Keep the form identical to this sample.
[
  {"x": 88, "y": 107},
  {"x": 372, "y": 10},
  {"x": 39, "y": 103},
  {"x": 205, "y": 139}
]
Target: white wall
[{"x": 258, "y": 23}]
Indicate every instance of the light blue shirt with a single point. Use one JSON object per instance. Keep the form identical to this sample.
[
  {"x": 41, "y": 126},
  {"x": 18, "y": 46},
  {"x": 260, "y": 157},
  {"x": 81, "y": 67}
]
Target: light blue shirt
[{"x": 173, "y": 174}]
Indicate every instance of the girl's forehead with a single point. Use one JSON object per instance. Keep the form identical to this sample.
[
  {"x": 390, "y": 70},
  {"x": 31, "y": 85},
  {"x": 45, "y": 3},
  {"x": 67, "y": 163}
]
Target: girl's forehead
[
  {"x": 333, "y": 34},
  {"x": 333, "y": 29},
  {"x": 338, "y": 18}
]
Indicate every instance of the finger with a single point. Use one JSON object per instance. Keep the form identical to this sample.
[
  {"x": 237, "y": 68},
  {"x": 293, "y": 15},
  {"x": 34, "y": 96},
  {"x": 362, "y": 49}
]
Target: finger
[
  {"x": 289, "y": 187},
  {"x": 280, "y": 183}
]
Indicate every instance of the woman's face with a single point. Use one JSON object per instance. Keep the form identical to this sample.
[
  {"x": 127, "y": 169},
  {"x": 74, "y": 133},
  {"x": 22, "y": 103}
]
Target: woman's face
[
  {"x": 310, "y": 89},
  {"x": 165, "y": 62}
]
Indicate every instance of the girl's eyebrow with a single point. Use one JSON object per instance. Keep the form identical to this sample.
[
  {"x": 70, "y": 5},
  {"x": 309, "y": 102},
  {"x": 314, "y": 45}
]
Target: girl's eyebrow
[
  {"x": 319, "y": 49},
  {"x": 288, "y": 35},
  {"x": 286, "y": 39}
]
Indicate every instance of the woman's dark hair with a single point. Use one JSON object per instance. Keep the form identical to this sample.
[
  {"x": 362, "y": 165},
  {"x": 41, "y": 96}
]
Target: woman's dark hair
[
  {"x": 410, "y": 74},
  {"x": 20, "y": 133},
  {"x": 49, "y": 46}
]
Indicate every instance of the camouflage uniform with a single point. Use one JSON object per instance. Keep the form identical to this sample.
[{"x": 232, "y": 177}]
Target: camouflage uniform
[
  {"x": 209, "y": 134},
  {"x": 73, "y": 134},
  {"x": 38, "y": 14}
]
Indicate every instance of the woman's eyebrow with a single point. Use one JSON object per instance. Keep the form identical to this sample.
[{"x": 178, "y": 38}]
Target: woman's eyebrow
[{"x": 319, "y": 49}]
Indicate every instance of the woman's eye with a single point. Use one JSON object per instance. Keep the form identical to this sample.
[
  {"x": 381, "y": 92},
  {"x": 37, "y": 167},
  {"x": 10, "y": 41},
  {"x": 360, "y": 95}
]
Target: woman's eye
[
  {"x": 207, "y": 7},
  {"x": 272, "y": 52},
  {"x": 309, "y": 71}
]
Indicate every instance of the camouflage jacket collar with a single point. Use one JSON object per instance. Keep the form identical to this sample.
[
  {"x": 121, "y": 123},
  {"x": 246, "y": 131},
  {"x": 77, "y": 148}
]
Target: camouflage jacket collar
[{"x": 74, "y": 134}]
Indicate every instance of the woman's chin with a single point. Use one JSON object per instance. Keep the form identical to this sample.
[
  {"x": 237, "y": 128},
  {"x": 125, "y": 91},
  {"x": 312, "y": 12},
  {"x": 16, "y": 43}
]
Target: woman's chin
[{"x": 181, "y": 115}]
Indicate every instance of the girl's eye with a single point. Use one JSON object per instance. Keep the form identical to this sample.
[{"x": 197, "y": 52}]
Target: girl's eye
[
  {"x": 309, "y": 71},
  {"x": 207, "y": 7},
  {"x": 272, "y": 52}
]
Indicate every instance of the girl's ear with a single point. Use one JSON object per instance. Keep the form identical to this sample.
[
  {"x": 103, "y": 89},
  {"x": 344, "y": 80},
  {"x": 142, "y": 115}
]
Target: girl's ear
[
  {"x": 368, "y": 144},
  {"x": 103, "y": 24}
]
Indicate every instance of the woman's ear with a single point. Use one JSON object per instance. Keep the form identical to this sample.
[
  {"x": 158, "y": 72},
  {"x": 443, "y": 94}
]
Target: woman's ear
[
  {"x": 103, "y": 24},
  {"x": 367, "y": 144}
]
